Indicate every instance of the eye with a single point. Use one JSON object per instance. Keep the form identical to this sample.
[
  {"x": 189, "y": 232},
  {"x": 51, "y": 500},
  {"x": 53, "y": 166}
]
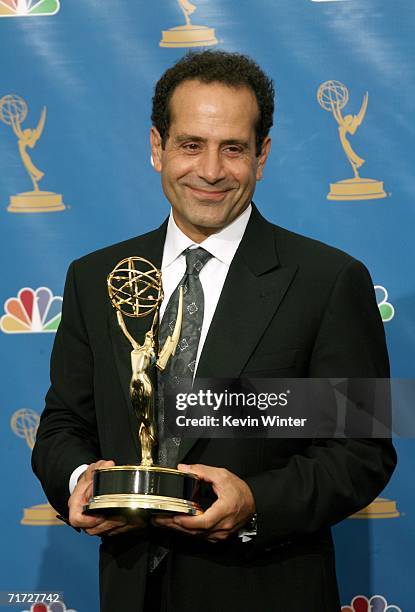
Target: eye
[
  {"x": 233, "y": 150},
  {"x": 191, "y": 147}
]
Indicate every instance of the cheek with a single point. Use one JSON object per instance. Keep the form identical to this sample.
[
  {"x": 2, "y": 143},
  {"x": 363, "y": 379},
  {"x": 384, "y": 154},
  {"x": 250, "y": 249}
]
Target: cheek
[
  {"x": 244, "y": 173},
  {"x": 177, "y": 165}
]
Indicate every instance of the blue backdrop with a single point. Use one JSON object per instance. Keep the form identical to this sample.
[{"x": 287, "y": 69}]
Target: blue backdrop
[{"x": 93, "y": 65}]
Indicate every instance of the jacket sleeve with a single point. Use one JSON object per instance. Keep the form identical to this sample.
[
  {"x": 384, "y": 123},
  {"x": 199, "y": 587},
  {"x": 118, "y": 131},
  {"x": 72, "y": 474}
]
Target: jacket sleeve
[
  {"x": 67, "y": 434},
  {"x": 331, "y": 478}
]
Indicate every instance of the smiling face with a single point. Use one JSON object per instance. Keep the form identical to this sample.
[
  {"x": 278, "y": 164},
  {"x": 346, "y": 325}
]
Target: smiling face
[{"x": 209, "y": 165}]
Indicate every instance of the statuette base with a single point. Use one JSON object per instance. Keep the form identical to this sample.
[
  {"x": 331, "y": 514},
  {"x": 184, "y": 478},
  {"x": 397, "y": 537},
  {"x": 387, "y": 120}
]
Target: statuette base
[
  {"x": 40, "y": 515},
  {"x": 36, "y": 202},
  {"x": 135, "y": 488},
  {"x": 188, "y": 36},
  {"x": 380, "y": 508},
  {"x": 357, "y": 189}
]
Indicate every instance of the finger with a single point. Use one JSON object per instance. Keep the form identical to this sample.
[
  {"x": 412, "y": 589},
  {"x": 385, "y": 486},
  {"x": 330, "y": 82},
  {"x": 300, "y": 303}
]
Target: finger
[
  {"x": 105, "y": 527},
  {"x": 81, "y": 497},
  {"x": 191, "y": 532},
  {"x": 88, "y": 475},
  {"x": 104, "y": 523},
  {"x": 104, "y": 463},
  {"x": 162, "y": 521},
  {"x": 219, "y": 478},
  {"x": 76, "y": 504},
  {"x": 86, "y": 522},
  {"x": 77, "y": 518},
  {"x": 205, "y": 472},
  {"x": 218, "y": 538},
  {"x": 168, "y": 523},
  {"x": 205, "y": 521},
  {"x": 83, "y": 494},
  {"x": 218, "y": 535}
]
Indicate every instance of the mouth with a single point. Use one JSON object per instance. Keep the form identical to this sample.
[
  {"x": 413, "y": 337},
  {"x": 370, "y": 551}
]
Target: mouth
[{"x": 208, "y": 194}]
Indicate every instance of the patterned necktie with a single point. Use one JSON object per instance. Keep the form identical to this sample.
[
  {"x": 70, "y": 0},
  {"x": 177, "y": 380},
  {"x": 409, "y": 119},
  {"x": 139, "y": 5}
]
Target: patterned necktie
[{"x": 181, "y": 365}]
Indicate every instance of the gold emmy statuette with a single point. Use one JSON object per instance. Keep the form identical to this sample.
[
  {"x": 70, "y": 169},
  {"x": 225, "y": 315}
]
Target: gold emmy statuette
[
  {"x": 24, "y": 424},
  {"x": 333, "y": 97},
  {"x": 135, "y": 290},
  {"x": 188, "y": 35},
  {"x": 380, "y": 508},
  {"x": 13, "y": 111}
]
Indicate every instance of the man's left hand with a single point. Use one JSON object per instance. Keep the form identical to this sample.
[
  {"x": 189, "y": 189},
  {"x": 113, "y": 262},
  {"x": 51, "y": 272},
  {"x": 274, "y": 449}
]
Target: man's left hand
[{"x": 230, "y": 512}]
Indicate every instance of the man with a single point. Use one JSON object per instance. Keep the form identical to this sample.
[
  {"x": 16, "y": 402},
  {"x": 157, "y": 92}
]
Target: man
[{"x": 276, "y": 304}]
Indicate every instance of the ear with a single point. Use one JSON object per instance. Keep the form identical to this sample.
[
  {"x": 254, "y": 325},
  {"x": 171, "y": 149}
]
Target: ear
[
  {"x": 262, "y": 158},
  {"x": 155, "y": 140}
]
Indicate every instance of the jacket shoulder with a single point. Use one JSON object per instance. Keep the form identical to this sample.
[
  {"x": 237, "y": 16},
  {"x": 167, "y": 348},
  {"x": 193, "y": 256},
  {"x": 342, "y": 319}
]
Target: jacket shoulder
[
  {"x": 107, "y": 257},
  {"x": 309, "y": 253},
  {"x": 87, "y": 276}
]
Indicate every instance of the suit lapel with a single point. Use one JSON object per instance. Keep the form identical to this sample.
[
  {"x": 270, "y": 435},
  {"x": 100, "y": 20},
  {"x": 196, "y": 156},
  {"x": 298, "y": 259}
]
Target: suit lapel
[{"x": 253, "y": 290}]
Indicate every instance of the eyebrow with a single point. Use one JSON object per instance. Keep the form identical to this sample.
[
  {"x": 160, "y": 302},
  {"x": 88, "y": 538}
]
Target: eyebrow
[{"x": 230, "y": 141}]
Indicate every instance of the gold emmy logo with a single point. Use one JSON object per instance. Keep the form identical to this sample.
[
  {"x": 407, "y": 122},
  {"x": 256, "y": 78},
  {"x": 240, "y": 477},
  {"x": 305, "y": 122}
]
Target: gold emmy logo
[
  {"x": 13, "y": 111},
  {"x": 380, "y": 508},
  {"x": 188, "y": 35},
  {"x": 333, "y": 97},
  {"x": 24, "y": 424}
]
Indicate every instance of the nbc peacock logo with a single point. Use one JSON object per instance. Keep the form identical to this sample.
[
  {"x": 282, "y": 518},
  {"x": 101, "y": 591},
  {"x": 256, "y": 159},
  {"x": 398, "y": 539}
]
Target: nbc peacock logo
[
  {"x": 56, "y": 606},
  {"x": 32, "y": 311},
  {"x": 377, "y": 603},
  {"x": 28, "y": 8},
  {"x": 386, "y": 309}
]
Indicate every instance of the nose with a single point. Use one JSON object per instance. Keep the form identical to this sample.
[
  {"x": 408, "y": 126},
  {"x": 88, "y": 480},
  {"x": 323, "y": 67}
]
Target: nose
[{"x": 210, "y": 167}]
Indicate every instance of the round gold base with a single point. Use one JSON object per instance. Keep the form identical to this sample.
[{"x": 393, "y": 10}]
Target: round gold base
[
  {"x": 122, "y": 489},
  {"x": 356, "y": 189},
  {"x": 188, "y": 36},
  {"x": 156, "y": 503},
  {"x": 36, "y": 202}
]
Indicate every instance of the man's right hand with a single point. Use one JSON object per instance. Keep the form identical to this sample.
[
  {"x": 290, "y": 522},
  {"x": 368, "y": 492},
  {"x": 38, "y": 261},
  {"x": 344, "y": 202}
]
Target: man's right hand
[{"x": 95, "y": 525}]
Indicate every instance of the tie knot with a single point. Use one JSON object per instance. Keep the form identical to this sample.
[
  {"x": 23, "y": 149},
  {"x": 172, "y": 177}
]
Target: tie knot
[{"x": 195, "y": 260}]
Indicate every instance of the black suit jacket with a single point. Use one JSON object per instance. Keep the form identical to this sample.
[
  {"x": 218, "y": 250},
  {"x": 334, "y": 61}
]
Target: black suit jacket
[{"x": 290, "y": 307}]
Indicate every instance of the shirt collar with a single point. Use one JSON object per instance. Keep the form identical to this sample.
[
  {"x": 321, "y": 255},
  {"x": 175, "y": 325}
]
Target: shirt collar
[{"x": 222, "y": 245}]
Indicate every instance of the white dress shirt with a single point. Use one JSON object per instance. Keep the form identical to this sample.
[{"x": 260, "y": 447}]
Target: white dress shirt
[{"x": 222, "y": 246}]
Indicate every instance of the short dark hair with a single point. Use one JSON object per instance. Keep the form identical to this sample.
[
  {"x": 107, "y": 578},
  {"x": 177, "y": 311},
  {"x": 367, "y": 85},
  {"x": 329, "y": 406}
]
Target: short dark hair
[{"x": 232, "y": 69}]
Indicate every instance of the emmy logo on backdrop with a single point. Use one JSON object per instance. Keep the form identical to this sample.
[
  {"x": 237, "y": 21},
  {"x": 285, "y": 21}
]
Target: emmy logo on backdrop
[
  {"x": 188, "y": 35},
  {"x": 24, "y": 424},
  {"x": 333, "y": 97},
  {"x": 380, "y": 508},
  {"x": 13, "y": 111}
]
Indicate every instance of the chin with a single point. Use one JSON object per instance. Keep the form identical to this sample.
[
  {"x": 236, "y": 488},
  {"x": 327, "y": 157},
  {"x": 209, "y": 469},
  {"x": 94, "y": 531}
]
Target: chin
[{"x": 208, "y": 223}]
